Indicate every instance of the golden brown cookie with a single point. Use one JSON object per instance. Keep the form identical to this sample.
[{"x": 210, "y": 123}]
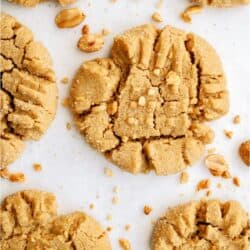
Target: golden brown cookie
[
  {"x": 29, "y": 220},
  {"x": 28, "y": 93},
  {"x": 33, "y": 3},
  {"x": 221, "y": 3},
  {"x": 203, "y": 225},
  {"x": 145, "y": 106}
]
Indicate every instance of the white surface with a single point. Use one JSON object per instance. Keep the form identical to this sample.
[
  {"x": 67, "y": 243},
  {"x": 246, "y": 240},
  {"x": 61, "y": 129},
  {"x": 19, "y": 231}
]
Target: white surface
[{"x": 74, "y": 171}]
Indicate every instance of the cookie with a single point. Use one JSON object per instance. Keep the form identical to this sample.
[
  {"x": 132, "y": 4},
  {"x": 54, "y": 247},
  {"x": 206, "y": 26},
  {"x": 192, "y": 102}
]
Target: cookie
[
  {"x": 28, "y": 93},
  {"x": 145, "y": 106},
  {"x": 29, "y": 220},
  {"x": 203, "y": 225},
  {"x": 221, "y": 3},
  {"x": 33, "y": 3}
]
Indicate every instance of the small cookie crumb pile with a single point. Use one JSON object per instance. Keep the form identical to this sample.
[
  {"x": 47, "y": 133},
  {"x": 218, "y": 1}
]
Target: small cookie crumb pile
[
  {"x": 28, "y": 92},
  {"x": 206, "y": 224},
  {"x": 154, "y": 95},
  {"x": 244, "y": 151},
  {"x": 29, "y": 220}
]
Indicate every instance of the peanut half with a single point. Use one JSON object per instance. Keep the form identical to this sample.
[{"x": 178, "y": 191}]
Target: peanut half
[
  {"x": 69, "y": 18},
  {"x": 90, "y": 42}
]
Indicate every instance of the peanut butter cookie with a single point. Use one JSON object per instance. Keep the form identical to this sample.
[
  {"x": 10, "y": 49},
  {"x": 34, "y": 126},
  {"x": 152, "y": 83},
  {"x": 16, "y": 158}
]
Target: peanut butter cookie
[
  {"x": 203, "y": 225},
  {"x": 33, "y": 3},
  {"x": 221, "y": 3},
  {"x": 145, "y": 106},
  {"x": 28, "y": 92},
  {"x": 29, "y": 220}
]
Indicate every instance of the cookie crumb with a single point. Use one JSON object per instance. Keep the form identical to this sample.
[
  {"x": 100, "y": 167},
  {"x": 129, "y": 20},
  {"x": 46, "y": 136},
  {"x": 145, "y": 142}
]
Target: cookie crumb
[
  {"x": 157, "y": 17},
  {"x": 91, "y": 206},
  {"x": 208, "y": 193},
  {"x": 147, "y": 210},
  {"x": 68, "y": 125},
  {"x": 244, "y": 152},
  {"x": 236, "y": 119},
  {"x": 115, "y": 200},
  {"x": 108, "y": 172},
  {"x": 203, "y": 184},
  {"x": 37, "y": 167},
  {"x": 189, "y": 11},
  {"x": 105, "y": 32},
  {"x": 218, "y": 185},
  {"x": 226, "y": 175},
  {"x": 85, "y": 29},
  {"x": 184, "y": 177},
  {"x": 236, "y": 181},
  {"x": 159, "y": 4},
  {"x": 216, "y": 164},
  {"x": 109, "y": 217},
  {"x": 127, "y": 227},
  {"x": 109, "y": 229},
  {"x": 211, "y": 151},
  {"x": 228, "y": 134},
  {"x": 116, "y": 189},
  {"x": 124, "y": 244},
  {"x": 65, "y": 80}
]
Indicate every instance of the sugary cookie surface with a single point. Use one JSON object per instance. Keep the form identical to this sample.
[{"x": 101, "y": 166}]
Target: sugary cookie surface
[
  {"x": 28, "y": 92},
  {"x": 28, "y": 220},
  {"x": 203, "y": 225},
  {"x": 145, "y": 106},
  {"x": 221, "y": 3}
]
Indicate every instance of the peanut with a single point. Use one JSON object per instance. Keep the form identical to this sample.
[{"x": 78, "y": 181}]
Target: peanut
[
  {"x": 90, "y": 42},
  {"x": 244, "y": 152},
  {"x": 69, "y": 18}
]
